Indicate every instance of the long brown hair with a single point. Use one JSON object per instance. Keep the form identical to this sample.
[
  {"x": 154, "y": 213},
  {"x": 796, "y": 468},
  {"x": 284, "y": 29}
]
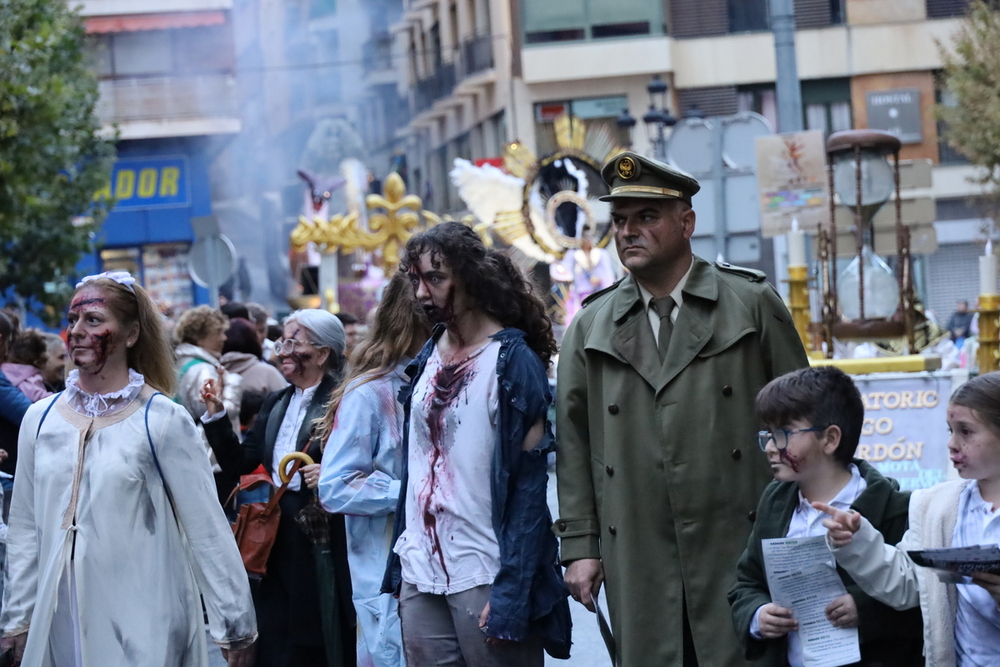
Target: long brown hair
[
  {"x": 152, "y": 355},
  {"x": 399, "y": 325}
]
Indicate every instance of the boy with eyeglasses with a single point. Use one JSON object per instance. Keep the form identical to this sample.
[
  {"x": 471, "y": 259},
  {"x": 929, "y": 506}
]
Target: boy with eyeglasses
[{"x": 813, "y": 418}]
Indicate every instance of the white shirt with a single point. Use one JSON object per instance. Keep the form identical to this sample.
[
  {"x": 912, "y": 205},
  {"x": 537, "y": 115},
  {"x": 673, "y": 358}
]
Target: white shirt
[
  {"x": 678, "y": 296},
  {"x": 807, "y": 521},
  {"x": 977, "y": 621},
  {"x": 449, "y": 544},
  {"x": 288, "y": 433}
]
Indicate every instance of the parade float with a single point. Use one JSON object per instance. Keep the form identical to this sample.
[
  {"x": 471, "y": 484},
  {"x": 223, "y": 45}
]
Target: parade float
[{"x": 866, "y": 318}]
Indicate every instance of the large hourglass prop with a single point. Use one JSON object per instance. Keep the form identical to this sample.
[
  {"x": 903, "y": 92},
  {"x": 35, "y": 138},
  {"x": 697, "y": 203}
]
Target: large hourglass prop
[{"x": 867, "y": 300}]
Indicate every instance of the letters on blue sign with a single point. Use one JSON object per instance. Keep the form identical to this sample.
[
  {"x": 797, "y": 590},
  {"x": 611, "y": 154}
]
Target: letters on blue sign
[{"x": 148, "y": 183}]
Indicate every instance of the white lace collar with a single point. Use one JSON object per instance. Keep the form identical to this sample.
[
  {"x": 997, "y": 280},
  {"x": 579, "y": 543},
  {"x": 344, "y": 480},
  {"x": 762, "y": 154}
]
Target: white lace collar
[{"x": 102, "y": 405}]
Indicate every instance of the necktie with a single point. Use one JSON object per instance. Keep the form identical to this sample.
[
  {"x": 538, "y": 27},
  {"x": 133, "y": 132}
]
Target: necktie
[{"x": 664, "y": 307}]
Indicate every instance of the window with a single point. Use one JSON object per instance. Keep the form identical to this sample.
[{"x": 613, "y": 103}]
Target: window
[
  {"x": 748, "y": 16},
  {"x": 136, "y": 53},
  {"x": 566, "y": 20},
  {"x": 596, "y": 112},
  {"x": 940, "y": 9},
  {"x": 826, "y": 105},
  {"x": 946, "y": 153},
  {"x": 762, "y": 100}
]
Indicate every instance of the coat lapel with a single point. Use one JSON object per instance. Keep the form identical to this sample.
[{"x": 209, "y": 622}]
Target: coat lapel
[
  {"x": 317, "y": 407},
  {"x": 693, "y": 327},
  {"x": 633, "y": 339}
]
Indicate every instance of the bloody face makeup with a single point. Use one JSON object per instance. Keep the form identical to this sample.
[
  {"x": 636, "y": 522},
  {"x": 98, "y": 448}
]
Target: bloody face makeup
[
  {"x": 299, "y": 357},
  {"x": 437, "y": 290},
  {"x": 95, "y": 335}
]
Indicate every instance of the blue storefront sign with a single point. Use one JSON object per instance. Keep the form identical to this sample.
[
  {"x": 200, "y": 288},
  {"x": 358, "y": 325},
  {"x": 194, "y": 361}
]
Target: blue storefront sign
[{"x": 144, "y": 183}]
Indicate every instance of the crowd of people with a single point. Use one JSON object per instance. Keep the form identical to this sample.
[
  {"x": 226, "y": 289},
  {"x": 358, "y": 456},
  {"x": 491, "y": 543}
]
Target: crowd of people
[{"x": 412, "y": 526}]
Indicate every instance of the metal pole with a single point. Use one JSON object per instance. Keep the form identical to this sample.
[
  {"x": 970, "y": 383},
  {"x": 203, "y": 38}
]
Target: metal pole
[
  {"x": 719, "y": 178},
  {"x": 787, "y": 84}
]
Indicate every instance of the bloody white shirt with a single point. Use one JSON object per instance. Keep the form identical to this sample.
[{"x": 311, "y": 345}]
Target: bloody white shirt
[{"x": 449, "y": 544}]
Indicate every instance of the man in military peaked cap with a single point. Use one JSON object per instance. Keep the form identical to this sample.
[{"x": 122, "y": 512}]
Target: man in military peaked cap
[{"x": 658, "y": 472}]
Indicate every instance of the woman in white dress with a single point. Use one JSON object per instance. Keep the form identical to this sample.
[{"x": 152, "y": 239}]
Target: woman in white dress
[{"x": 115, "y": 530}]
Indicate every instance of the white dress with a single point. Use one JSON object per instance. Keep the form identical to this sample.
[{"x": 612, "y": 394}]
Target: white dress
[{"x": 91, "y": 524}]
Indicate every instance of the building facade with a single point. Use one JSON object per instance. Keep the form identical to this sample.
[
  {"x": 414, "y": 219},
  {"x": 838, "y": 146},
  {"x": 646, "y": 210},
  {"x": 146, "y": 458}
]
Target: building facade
[
  {"x": 859, "y": 62},
  {"x": 168, "y": 88}
]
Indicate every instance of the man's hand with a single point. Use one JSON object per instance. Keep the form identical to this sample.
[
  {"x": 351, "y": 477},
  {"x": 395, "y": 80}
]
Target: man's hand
[
  {"x": 241, "y": 657},
  {"x": 15, "y": 645},
  {"x": 583, "y": 579},
  {"x": 841, "y": 525},
  {"x": 843, "y": 612},
  {"x": 775, "y": 621}
]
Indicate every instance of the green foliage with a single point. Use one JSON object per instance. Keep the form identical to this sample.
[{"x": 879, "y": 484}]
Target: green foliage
[
  {"x": 972, "y": 74},
  {"x": 52, "y": 156}
]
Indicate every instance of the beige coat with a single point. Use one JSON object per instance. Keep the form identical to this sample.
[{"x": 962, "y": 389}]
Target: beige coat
[{"x": 658, "y": 467}]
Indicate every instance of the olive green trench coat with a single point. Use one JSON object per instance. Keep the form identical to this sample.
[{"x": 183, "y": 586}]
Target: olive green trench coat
[{"x": 658, "y": 468}]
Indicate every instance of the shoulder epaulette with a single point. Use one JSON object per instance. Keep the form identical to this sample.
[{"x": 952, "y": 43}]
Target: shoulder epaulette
[
  {"x": 598, "y": 293},
  {"x": 753, "y": 275}
]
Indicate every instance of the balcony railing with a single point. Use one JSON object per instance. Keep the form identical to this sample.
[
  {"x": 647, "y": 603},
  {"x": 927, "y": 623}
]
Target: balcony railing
[
  {"x": 433, "y": 88},
  {"x": 167, "y": 98},
  {"x": 476, "y": 55}
]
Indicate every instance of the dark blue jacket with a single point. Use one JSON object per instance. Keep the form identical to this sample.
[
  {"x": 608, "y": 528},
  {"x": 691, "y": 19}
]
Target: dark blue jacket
[
  {"x": 13, "y": 405},
  {"x": 528, "y": 597}
]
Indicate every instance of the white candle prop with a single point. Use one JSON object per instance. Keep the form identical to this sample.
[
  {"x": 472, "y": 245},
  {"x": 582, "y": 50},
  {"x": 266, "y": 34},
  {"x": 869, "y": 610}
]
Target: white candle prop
[
  {"x": 796, "y": 245},
  {"x": 988, "y": 271}
]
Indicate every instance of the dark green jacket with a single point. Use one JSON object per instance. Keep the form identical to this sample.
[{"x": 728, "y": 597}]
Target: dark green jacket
[{"x": 888, "y": 637}]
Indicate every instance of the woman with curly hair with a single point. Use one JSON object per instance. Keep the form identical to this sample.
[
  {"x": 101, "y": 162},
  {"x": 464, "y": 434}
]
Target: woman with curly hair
[
  {"x": 363, "y": 462},
  {"x": 472, "y": 524}
]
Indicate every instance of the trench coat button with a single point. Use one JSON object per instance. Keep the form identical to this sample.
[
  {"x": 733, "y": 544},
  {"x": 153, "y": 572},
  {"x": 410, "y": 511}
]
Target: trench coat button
[
  {"x": 737, "y": 455},
  {"x": 752, "y": 516},
  {"x": 613, "y": 408},
  {"x": 612, "y": 530},
  {"x": 727, "y": 391},
  {"x": 609, "y": 470},
  {"x": 561, "y": 526}
]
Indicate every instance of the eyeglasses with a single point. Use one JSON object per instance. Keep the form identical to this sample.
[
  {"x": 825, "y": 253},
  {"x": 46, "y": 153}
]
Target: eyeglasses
[
  {"x": 781, "y": 436},
  {"x": 290, "y": 345}
]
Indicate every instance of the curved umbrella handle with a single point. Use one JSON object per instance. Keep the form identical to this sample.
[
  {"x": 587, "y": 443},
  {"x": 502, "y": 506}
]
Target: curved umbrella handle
[{"x": 286, "y": 459}]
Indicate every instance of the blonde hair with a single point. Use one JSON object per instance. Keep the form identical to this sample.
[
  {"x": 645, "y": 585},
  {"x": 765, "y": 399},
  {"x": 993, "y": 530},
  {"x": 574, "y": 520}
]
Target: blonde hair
[
  {"x": 152, "y": 355},
  {"x": 399, "y": 324},
  {"x": 196, "y": 324}
]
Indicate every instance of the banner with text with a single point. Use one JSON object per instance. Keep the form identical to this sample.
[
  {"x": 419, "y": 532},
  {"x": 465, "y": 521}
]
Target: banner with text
[{"x": 905, "y": 433}]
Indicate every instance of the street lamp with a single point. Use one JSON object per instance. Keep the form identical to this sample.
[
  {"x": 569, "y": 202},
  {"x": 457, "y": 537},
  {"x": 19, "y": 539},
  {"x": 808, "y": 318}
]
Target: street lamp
[
  {"x": 626, "y": 122},
  {"x": 658, "y": 118}
]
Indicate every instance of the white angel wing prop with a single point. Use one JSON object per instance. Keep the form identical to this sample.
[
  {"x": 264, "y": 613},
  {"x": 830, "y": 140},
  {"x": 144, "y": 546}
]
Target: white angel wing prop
[{"x": 495, "y": 198}]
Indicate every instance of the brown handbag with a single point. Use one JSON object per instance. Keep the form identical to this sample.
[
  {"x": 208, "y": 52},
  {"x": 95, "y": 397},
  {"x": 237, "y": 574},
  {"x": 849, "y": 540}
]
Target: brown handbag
[{"x": 256, "y": 528}]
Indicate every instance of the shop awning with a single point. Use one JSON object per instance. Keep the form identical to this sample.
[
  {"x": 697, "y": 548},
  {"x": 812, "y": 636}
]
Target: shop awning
[{"x": 139, "y": 22}]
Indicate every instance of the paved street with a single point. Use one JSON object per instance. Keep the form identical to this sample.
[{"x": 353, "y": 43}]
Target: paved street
[{"x": 588, "y": 647}]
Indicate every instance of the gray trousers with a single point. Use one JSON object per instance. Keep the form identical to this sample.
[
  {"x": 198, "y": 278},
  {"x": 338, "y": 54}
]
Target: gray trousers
[{"x": 444, "y": 630}]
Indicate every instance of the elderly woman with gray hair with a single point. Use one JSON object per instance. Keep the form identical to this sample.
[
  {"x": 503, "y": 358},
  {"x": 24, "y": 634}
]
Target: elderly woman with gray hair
[{"x": 287, "y": 598}]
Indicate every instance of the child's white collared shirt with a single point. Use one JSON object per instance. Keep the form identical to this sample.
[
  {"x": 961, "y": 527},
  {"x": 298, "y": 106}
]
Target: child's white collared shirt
[
  {"x": 807, "y": 521},
  {"x": 977, "y": 621}
]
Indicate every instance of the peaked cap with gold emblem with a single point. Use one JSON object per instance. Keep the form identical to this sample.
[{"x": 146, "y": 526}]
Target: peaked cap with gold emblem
[{"x": 630, "y": 175}]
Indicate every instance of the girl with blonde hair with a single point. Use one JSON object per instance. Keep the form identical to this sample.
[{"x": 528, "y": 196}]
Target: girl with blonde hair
[
  {"x": 115, "y": 533},
  {"x": 361, "y": 469}
]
